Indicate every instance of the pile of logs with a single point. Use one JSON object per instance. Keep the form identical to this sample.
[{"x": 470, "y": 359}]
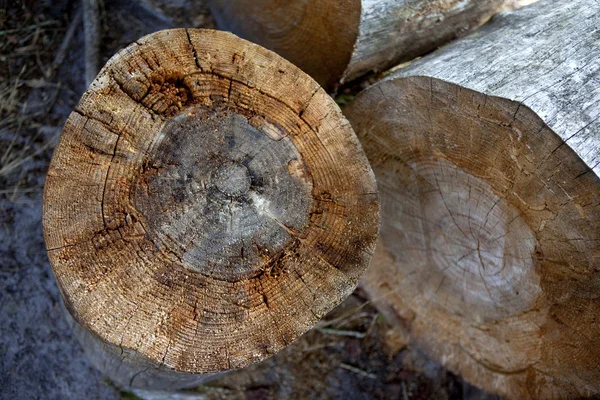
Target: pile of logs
[
  {"x": 338, "y": 41},
  {"x": 208, "y": 202}
]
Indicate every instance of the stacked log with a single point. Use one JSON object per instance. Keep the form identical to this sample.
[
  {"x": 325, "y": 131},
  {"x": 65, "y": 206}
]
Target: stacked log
[
  {"x": 206, "y": 205},
  {"x": 487, "y": 157},
  {"x": 336, "y": 41}
]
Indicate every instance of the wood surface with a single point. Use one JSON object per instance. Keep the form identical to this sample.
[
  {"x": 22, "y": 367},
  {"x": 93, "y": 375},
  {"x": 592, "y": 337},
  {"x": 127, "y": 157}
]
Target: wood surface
[
  {"x": 487, "y": 156},
  {"x": 336, "y": 41},
  {"x": 207, "y": 203}
]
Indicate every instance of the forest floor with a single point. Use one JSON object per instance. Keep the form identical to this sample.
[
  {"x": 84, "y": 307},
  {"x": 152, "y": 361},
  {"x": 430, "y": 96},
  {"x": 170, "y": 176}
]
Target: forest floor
[{"x": 352, "y": 354}]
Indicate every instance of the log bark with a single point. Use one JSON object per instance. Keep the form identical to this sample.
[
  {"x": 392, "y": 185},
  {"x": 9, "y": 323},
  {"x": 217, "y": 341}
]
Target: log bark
[
  {"x": 207, "y": 204},
  {"x": 487, "y": 156},
  {"x": 339, "y": 40}
]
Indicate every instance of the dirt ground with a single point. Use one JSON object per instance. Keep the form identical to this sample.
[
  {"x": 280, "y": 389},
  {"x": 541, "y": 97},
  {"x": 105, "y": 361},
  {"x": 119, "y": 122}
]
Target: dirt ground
[{"x": 352, "y": 354}]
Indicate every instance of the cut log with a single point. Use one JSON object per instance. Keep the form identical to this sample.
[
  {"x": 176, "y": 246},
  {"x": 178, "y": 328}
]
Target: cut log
[
  {"x": 487, "y": 156},
  {"x": 339, "y": 40},
  {"x": 207, "y": 204}
]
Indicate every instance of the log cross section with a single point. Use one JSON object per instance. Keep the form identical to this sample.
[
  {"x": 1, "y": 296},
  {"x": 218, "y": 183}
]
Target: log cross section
[
  {"x": 487, "y": 156},
  {"x": 207, "y": 204}
]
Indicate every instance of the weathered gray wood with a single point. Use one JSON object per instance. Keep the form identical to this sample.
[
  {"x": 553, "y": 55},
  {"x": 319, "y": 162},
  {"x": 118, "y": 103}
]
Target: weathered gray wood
[
  {"x": 487, "y": 156},
  {"x": 207, "y": 204},
  {"x": 393, "y": 31},
  {"x": 339, "y": 40},
  {"x": 545, "y": 56}
]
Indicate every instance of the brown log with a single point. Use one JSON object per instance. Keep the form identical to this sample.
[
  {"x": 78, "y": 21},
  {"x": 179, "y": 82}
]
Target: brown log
[
  {"x": 487, "y": 156},
  {"x": 207, "y": 204},
  {"x": 339, "y": 40}
]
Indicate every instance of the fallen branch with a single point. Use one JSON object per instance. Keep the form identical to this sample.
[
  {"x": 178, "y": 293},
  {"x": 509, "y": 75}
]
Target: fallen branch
[
  {"x": 92, "y": 32},
  {"x": 66, "y": 42}
]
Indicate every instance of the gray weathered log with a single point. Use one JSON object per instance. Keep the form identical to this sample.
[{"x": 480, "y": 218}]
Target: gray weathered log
[
  {"x": 487, "y": 155},
  {"x": 339, "y": 40},
  {"x": 393, "y": 31},
  {"x": 544, "y": 56}
]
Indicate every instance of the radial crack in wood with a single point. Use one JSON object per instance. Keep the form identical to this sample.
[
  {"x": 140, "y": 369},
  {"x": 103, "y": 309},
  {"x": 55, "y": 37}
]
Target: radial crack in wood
[
  {"x": 487, "y": 158},
  {"x": 206, "y": 204}
]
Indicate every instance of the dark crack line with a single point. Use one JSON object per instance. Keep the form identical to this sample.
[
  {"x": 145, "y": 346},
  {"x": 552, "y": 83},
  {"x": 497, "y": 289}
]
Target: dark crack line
[
  {"x": 267, "y": 305},
  {"x": 446, "y": 206},
  {"x": 194, "y": 52},
  {"x": 136, "y": 375}
]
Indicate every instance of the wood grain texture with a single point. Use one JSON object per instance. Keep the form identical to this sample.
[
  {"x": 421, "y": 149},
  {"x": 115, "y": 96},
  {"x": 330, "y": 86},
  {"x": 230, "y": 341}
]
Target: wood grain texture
[
  {"x": 207, "y": 204},
  {"x": 340, "y": 40},
  {"x": 393, "y": 31},
  {"x": 316, "y": 35},
  {"x": 487, "y": 158}
]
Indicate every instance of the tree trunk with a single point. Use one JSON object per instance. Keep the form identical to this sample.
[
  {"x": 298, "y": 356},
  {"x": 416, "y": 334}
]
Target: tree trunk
[
  {"x": 487, "y": 155},
  {"x": 206, "y": 205},
  {"x": 337, "y": 41}
]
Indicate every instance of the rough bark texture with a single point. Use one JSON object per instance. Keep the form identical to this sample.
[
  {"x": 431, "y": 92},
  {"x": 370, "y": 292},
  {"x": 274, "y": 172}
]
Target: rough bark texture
[
  {"x": 206, "y": 204},
  {"x": 394, "y": 31},
  {"x": 340, "y": 40},
  {"x": 487, "y": 155}
]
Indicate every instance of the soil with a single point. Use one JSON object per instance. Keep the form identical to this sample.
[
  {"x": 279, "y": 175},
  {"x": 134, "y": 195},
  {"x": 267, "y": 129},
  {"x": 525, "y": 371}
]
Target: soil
[{"x": 352, "y": 354}]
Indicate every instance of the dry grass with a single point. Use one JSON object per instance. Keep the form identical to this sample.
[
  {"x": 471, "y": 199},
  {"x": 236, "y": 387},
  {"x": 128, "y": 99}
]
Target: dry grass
[{"x": 27, "y": 40}]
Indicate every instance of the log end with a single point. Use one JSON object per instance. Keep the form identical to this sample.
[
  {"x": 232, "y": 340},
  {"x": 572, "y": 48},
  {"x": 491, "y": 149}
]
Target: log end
[
  {"x": 207, "y": 203},
  {"x": 317, "y": 36},
  {"x": 488, "y": 254}
]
